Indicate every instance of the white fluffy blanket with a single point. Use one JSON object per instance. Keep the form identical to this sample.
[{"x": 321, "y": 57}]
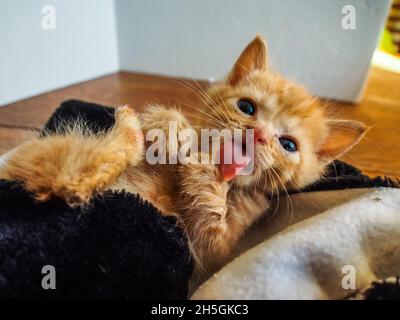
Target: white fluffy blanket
[{"x": 338, "y": 242}]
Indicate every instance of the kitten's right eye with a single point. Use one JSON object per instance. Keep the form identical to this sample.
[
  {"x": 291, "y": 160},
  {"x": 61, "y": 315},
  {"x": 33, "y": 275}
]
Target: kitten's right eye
[{"x": 247, "y": 106}]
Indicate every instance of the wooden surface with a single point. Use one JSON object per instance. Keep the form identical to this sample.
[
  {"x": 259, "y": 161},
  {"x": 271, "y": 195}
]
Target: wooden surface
[{"x": 377, "y": 154}]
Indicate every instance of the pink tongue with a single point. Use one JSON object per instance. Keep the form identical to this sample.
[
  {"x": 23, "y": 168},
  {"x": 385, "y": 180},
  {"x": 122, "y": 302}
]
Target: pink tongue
[{"x": 237, "y": 161}]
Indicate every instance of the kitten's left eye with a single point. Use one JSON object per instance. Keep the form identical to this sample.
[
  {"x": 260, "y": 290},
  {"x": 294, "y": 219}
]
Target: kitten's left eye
[
  {"x": 247, "y": 107},
  {"x": 288, "y": 144}
]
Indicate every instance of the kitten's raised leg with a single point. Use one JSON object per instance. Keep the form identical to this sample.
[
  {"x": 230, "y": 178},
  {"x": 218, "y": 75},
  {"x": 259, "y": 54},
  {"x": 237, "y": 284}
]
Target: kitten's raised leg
[
  {"x": 75, "y": 166},
  {"x": 213, "y": 220}
]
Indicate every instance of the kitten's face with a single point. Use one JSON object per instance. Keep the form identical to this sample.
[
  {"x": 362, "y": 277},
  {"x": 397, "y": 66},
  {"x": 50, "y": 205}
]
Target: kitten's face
[{"x": 293, "y": 138}]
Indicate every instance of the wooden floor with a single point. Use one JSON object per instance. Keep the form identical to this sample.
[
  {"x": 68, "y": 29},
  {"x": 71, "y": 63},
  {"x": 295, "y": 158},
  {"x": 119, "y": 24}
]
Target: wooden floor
[{"x": 377, "y": 154}]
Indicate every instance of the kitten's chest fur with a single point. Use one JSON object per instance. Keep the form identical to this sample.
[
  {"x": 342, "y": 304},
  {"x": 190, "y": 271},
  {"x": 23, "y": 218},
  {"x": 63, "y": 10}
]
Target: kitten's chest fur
[
  {"x": 160, "y": 184},
  {"x": 157, "y": 184}
]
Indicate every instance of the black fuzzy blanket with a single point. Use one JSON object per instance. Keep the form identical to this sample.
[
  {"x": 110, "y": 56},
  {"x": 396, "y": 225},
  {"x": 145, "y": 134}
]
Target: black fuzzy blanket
[{"x": 121, "y": 247}]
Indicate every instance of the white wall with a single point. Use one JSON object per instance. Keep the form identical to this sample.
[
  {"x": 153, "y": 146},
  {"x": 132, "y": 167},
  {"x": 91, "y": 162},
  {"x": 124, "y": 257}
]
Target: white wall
[
  {"x": 34, "y": 60},
  {"x": 202, "y": 39},
  {"x": 188, "y": 38}
]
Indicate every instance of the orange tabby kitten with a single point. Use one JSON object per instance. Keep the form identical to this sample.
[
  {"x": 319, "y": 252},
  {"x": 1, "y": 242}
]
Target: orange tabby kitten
[{"x": 294, "y": 141}]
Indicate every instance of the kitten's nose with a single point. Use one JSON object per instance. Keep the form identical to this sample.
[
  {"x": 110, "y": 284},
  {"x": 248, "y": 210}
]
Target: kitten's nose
[{"x": 260, "y": 136}]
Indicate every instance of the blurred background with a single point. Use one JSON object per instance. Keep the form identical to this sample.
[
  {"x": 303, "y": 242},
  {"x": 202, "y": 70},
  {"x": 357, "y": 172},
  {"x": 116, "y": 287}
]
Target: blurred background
[
  {"x": 321, "y": 44},
  {"x": 137, "y": 52}
]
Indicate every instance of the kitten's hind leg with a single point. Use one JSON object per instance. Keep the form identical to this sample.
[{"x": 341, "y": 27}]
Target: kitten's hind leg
[{"x": 75, "y": 166}]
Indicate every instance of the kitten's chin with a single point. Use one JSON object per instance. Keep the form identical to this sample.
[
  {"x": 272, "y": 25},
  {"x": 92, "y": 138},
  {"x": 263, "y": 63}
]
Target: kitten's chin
[
  {"x": 244, "y": 181},
  {"x": 260, "y": 166},
  {"x": 256, "y": 177}
]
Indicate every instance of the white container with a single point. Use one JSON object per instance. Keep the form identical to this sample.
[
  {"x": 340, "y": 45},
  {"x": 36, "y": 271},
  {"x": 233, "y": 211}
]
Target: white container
[{"x": 201, "y": 39}]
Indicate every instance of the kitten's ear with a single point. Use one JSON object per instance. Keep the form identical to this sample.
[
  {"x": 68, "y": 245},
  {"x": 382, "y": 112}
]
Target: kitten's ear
[
  {"x": 343, "y": 135},
  {"x": 253, "y": 57}
]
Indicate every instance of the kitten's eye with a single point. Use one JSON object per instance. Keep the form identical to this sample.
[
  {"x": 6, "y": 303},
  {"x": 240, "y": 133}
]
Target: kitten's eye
[
  {"x": 288, "y": 144},
  {"x": 247, "y": 106}
]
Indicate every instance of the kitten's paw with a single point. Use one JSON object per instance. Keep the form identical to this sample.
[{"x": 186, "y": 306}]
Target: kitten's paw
[
  {"x": 128, "y": 131},
  {"x": 74, "y": 197},
  {"x": 126, "y": 118},
  {"x": 42, "y": 195},
  {"x": 79, "y": 199},
  {"x": 78, "y": 194}
]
